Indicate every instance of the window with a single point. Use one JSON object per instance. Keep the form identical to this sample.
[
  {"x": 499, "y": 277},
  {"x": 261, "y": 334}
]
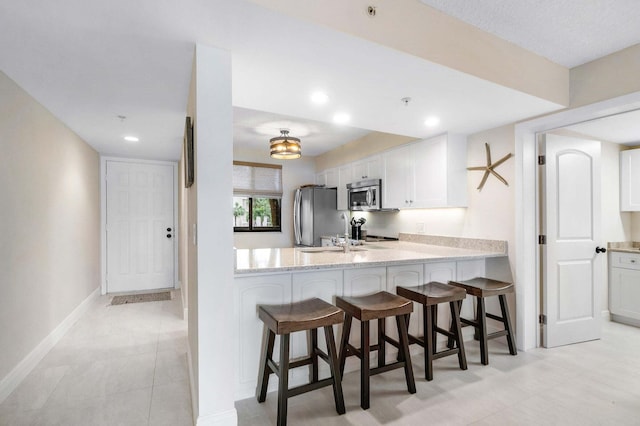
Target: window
[{"x": 257, "y": 197}]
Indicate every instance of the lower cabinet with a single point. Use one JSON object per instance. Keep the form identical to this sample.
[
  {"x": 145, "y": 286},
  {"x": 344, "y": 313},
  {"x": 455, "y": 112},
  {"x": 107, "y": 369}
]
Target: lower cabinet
[
  {"x": 253, "y": 290},
  {"x": 624, "y": 287},
  {"x": 249, "y": 293}
]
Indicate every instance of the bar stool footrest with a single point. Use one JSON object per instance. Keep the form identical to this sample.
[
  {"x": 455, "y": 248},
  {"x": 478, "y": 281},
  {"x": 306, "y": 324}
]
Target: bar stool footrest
[
  {"x": 445, "y": 353},
  {"x": 309, "y": 387},
  {"x": 385, "y": 368}
]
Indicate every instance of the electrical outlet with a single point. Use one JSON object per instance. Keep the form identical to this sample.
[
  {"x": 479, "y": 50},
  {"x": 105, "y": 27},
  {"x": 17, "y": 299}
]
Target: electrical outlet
[{"x": 420, "y": 227}]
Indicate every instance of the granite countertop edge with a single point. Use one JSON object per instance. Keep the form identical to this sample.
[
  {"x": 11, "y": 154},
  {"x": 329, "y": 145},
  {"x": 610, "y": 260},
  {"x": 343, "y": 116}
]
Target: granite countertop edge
[{"x": 406, "y": 251}]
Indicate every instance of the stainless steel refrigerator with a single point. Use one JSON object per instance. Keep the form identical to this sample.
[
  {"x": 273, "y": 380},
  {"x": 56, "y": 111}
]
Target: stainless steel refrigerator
[{"x": 315, "y": 215}]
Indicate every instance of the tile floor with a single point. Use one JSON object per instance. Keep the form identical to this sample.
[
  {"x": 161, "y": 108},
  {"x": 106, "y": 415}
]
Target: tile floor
[
  {"x": 126, "y": 365},
  {"x": 593, "y": 383},
  {"x": 118, "y": 365}
]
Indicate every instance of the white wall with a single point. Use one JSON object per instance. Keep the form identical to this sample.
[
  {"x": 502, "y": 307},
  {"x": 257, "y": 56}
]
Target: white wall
[
  {"x": 49, "y": 223},
  {"x": 294, "y": 174}
]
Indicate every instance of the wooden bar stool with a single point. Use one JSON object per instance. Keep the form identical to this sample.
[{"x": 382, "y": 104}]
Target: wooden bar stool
[
  {"x": 483, "y": 288},
  {"x": 283, "y": 320},
  {"x": 429, "y": 296},
  {"x": 377, "y": 306}
]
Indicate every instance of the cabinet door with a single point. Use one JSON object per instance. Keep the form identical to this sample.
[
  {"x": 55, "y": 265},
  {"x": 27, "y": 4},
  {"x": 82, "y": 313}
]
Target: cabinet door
[
  {"x": 395, "y": 184},
  {"x": 344, "y": 177},
  {"x": 359, "y": 171},
  {"x": 249, "y": 293},
  {"x": 406, "y": 276},
  {"x": 630, "y": 180},
  {"x": 429, "y": 178},
  {"x": 624, "y": 289},
  {"x": 360, "y": 282},
  {"x": 332, "y": 178},
  {"x": 368, "y": 168},
  {"x": 324, "y": 285},
  {"x": 321, "y": 178}
]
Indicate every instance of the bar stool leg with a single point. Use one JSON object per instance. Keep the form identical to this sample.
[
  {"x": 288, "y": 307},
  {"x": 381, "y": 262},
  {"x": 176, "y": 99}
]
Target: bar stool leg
[
  {"x": 507, "y": 324},
  {"x": 482, "y": 331},
  {"x": 335, "y": 371},
  {"x": 457, "y": 331},
  {"x": 265, "y": 370},
  {"x": 381, "y": 343},
  {"x": 364, "y": 365},
  {"x": 344, "y": 341},
  {"x": 313, "y": 352},
  {"x": 428, "y": 342},
  {"x": 283, "y": 383},
  {"x": 404, "y": 346}
]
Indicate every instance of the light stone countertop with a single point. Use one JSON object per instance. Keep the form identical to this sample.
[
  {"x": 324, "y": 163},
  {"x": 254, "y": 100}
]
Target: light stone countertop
[
  {"x": 625, "y": 247},
  {"x": 270, "y": 260}
]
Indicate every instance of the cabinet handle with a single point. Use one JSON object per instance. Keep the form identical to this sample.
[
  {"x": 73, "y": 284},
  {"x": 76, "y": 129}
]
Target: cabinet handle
[
  {"x": 633, "y": 261},
  {"x": 601, "y": 250}
]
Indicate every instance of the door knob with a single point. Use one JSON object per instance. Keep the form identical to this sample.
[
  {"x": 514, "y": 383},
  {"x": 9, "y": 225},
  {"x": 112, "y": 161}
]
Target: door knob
[
  {"x": 168, "y": 229},
  {"x": 168, "y": 235},
  {"x": 601, "y": 250}
]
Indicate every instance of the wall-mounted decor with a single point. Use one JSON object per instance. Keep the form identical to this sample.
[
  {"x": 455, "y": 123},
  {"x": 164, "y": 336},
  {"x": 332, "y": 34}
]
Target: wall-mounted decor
[
  {"x": 188, "y": 153},
  {"x": 489, "y": 168}
]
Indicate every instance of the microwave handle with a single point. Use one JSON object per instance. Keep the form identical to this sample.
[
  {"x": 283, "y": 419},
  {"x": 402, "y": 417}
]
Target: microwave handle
[
  {"x": 369, "y": 196},
  {"x": 296, "y": 216}
]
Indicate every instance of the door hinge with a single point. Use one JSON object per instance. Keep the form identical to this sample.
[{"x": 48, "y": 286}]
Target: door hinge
[
  {"x": 542, "y": 319},
  {"x": 542, "y": 160},
  {"x": 542, "y": 239}
]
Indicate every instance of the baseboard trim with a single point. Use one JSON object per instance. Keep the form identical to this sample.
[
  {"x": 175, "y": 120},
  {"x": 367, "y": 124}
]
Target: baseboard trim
[
  {"x": 12, "y": 380},
  {"x": 194, "y": 394},
  {"x": 227, "y": 418}
]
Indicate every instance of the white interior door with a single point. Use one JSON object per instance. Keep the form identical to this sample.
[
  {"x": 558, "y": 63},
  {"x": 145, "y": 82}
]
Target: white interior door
[
  {"x": 140, "y": 227},
  {"x": 571, "y": 267}
]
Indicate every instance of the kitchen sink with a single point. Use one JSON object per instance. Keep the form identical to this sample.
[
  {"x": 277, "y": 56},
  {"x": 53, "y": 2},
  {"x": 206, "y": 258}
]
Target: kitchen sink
[{"x": 329, "y": 249}]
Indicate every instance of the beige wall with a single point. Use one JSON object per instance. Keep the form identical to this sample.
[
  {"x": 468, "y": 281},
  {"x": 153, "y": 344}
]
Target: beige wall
[
  {"x": 605, "y": 78},
  {"x": 294, "y": 174},
  {"x": 49, "y": 222}
]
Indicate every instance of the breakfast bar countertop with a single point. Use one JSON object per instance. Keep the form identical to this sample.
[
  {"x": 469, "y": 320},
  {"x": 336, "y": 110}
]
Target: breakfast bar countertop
[{"x": 411, "y": 248}]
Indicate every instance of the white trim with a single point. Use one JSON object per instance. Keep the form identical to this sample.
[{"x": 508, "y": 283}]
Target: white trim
[
  {"x": 527, "y": 277},
  {"x": 12, "y": 380},
  {"x": 228, "y": 418},
  {"x": 103, "y": 215},
  {"x": 192, "y": 381}
]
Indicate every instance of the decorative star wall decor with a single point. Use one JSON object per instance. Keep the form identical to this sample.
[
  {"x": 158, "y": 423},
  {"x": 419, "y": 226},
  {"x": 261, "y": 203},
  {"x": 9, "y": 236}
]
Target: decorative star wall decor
[{"x": 489, "y": 168}]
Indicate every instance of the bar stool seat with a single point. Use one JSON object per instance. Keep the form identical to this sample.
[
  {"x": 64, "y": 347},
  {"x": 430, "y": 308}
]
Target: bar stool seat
[
  {"x": 482, "y": 288},
  {"x": 288, "y": 318},
  {"x": 376, "y": 306},
  {"x": 430, "y": 295}
]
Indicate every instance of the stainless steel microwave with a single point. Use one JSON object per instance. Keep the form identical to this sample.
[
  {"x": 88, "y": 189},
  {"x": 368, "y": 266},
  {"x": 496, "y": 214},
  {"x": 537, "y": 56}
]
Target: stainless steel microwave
[{"x": 365, "y": 195}]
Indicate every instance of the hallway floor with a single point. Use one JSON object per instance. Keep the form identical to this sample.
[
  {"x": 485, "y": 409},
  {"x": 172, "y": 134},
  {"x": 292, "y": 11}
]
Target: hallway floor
[{"x": 117, "y": 365}]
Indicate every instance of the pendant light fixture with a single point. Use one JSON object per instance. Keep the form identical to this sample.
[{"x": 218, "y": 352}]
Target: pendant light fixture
[{"x": 285, "y": 147}]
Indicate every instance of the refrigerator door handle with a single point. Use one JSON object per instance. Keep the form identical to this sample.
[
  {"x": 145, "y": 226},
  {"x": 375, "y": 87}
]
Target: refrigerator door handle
[{"x": 296, "y": 216}]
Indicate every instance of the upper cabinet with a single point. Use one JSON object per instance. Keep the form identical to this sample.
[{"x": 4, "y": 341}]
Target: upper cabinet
[
  {"x": 328, "y": 178},
  {"x": 630, "y": 180},
  {"x": 367, "y": 168},
  {"x": 426, "y": 174}
]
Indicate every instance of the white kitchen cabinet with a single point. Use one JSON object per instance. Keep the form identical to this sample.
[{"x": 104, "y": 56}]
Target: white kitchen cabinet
[
  {"x": 324, "y": 285},
  {"x": 406, "y": 276},
  {"x": 249, "y": 293},
  {"x": 630, "y": 180},
  {"x": 367, "y": 168},
  {"x": 344, "y": 177},
  {"x": 624, "y": 287},
  {"x": 426, "y": 174},
  {"x": 328, "y": 178}
]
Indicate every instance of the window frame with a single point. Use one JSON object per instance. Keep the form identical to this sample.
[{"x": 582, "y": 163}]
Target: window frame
[{"x": 253, "y": 196}]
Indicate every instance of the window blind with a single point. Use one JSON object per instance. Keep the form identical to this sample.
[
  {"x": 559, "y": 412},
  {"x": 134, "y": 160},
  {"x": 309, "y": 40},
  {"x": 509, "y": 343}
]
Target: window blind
[{"x": 251, "y": 179}]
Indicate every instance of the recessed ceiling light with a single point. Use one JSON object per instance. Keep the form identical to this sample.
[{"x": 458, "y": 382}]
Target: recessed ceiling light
[
  {"x": 432, "y": 121},
  {"x": 341, "y": 118},
  {"x": 319, "y": 98},
  {"x": 131, "y": 139}
]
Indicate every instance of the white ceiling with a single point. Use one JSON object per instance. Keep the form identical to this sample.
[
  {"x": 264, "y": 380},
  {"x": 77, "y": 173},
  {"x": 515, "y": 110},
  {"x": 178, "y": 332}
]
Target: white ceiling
[
  {"x": 89, "y": 62},
  {"x": 568, "y": 32},
  {"x": 619, "y": 128}
]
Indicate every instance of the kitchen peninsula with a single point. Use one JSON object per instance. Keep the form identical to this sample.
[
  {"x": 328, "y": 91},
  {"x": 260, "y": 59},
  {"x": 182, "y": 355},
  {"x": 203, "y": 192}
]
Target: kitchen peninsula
[{"x": 285, "y": 275}]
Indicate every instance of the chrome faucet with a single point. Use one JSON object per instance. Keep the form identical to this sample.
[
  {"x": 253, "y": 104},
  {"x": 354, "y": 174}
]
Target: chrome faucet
[{"x": 346, "y": 245}]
